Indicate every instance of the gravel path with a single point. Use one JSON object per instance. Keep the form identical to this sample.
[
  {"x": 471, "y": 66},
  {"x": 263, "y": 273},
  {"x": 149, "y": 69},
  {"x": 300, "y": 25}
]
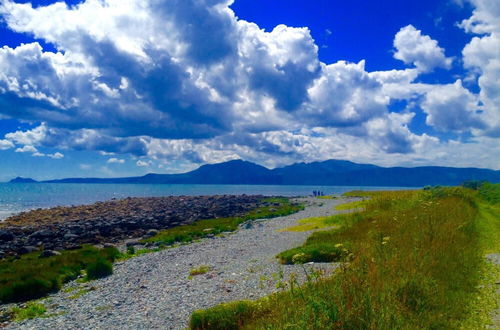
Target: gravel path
[{"x": 153, "y": 291}]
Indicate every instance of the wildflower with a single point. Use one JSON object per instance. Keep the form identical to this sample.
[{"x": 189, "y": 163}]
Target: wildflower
[{"x": 339, "y": 245}]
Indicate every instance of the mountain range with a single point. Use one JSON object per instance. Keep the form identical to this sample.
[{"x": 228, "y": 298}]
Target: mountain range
[{"x": 330, "y": 172}]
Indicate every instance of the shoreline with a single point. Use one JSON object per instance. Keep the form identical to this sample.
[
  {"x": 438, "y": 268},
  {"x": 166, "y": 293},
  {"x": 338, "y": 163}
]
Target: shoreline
[
  {"x": 154, "y": 290},
  {"x": 114, "y": 221}
]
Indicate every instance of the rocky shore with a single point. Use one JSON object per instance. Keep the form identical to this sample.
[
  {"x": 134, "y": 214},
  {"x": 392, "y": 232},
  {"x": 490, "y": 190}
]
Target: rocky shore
[
  {"x": 113, "y": 221},
  {"x": 156, "y": 291}
]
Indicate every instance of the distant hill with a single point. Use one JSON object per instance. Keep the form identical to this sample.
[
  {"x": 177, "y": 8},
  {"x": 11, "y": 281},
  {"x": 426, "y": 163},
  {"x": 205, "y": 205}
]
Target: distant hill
[
  {"x": 330, "y": 172},
  {"x": 22, "y": 180}
]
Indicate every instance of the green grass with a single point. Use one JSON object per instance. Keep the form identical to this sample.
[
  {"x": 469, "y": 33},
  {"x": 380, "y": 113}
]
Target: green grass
[
  {"x": 202, "y": 228},
  {"x": 200, "y": 270},
  {"x": 31, "y": 311},
  {"x": 98, "y": 269},
  {"x": 327, "y": 197},
  {"x": 316, "y": 223},
  {"x": 350, "y": 205},
  {"x": 31, "y": 277},
  {"x": 416, "y": 261}
]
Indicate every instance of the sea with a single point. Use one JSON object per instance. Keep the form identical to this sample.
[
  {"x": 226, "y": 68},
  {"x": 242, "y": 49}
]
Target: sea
[{"x": 19, "y": 197}]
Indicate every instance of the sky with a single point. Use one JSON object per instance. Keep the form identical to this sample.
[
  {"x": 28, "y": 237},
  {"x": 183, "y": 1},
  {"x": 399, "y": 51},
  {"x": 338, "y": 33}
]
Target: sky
[{"x": 109, "y": 88}]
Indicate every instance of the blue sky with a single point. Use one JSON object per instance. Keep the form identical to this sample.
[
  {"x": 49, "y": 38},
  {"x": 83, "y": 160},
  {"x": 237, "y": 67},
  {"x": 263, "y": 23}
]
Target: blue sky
[{"x": 115, "y": 88}]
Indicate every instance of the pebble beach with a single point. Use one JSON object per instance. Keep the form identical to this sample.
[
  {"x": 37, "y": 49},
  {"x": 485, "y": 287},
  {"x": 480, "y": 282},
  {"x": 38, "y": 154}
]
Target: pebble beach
[{"x": 156, "y": 291}]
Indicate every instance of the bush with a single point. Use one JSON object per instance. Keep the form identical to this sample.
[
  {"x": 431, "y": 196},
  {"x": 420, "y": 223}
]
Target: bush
[{"x": 99, "y": 269}]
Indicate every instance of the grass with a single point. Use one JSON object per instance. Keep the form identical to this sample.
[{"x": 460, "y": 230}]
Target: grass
[
  {"x": 415, "y": 260},
  {"x": 200, "y": 270},
  {"x": 99, "y": 269},
  {"x": 31, "y": 277},
  {"x": 312, "y": 224},
  {"x": 30, "y": 311},
  {"x": 327, "y": 197},
  {"x": 351, "y": 205},
  {"x": 187, "y": 233}
]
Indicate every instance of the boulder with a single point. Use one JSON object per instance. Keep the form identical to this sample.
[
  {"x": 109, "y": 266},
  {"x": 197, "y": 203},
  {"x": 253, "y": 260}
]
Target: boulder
[
  {"x": 27, "y": 249},
  {"x": 6, "y": 236},
  {"x": 49, "y": 253}
]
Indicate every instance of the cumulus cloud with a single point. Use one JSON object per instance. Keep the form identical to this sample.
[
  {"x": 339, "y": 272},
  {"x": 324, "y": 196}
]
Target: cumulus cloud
[
  {"x": 481, "y": 57},
  {"x": 452, "y": 108},
  {"x": 115, "y": 161},
  {"x": 6, "y": 144},
  {"x": 27, "y": 149},
  {"x": 420, "y": 50},
  {"x": 143, "y": 163},
  {"x": 189, "y": 82}
]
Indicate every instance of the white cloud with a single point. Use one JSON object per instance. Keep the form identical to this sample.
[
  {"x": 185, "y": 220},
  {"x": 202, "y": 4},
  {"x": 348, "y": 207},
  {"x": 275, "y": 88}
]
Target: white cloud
[
  {"x": 452, "y": 108},
  {"x": 6, "y": 144},
  {"x": 142, "y": 163},
  {"x": 414, "y": 48},
  {"x": 56, "y": 155},
  {"x": 27, "y": 149},
  {"x": 29, "y": 137},
  {"x": 116, "y": 161},
  {"x": 150, "y": 79},
  {"x": 481, "y": 57}
]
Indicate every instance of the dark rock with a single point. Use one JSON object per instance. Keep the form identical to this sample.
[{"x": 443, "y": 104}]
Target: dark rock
[
  {"x": 151, "y": 232},
  {"x": 27, "y": 249},
  {"x": 6, "y": 236},
  {"x": 41, "y": 234},
  {"x": 132, "y": 242},
  {"x": 70, "y": 236},
  {"x": 49, "y": 253}
]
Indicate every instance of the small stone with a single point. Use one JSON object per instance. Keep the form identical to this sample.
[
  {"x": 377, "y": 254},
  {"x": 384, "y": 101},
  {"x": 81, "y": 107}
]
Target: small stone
[
  {"x": 132, "y": 242},
  {"x": 49, "y": 253}
]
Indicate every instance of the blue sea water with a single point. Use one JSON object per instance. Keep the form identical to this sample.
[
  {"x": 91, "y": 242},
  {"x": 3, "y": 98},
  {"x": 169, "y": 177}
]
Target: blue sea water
[{"x": 19, "y": 197}]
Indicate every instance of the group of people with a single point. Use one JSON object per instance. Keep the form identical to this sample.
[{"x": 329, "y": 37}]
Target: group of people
[{"x": 317, "y": 193}]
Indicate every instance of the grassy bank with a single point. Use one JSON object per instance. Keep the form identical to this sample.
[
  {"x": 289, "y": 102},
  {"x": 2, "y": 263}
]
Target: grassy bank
[
  {"x": 413, "y": 259},
  {"x": 275, "y": 207},
  {"x": 32, "y": 277}
]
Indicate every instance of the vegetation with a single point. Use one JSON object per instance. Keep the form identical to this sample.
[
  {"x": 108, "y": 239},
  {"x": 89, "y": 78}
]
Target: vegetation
[
  {"x": 32, "y": 277},
  {"x": 31, "y": 311},
  {"x": 203, "y": 228},
  {"x": 415, "y": 260},
  {"x": 99, "y": 269},
  {"x": 199, "y": 270},
  {"x": 316, "y": 223},
  {"x": 327, "y": 197}
]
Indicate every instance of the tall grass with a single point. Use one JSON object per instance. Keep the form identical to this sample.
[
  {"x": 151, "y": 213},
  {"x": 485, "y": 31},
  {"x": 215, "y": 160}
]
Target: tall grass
[
  {"x": 415, "y": 260},
  {"x": 32, "y": 277}
]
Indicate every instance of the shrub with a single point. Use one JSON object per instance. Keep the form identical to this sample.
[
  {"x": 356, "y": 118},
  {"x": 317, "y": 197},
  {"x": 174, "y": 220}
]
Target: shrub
[{"x": 99, "y": 269}]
